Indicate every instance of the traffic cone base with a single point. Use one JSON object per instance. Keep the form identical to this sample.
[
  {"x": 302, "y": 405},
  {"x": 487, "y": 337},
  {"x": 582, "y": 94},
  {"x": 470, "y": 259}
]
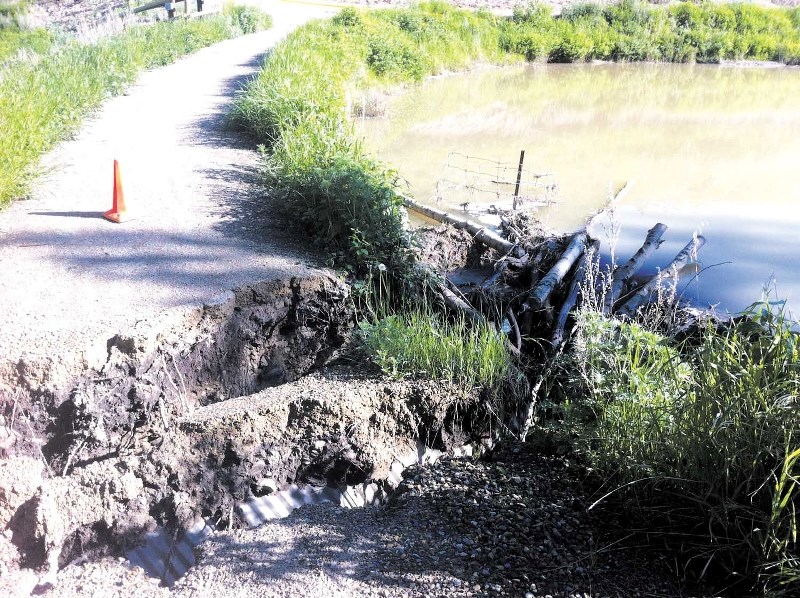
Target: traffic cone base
[
  {"x": 113, "y": 216},
  {"x": 117, "y": 213}
]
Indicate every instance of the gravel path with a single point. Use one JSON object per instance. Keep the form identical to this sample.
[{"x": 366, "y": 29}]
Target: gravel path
[
  {"x": 516, "y": 526},
  {"x": 71, "y": 280}
]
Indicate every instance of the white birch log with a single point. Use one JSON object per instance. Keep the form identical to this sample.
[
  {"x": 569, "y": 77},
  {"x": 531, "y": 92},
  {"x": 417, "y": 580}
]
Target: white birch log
[
  {"x": 481, "y": 233},
  {"x": 633, "y": 265},
  {"x": 686, "y": 255},
  {"x": 559, "y": 331},
  {"x": 556, "y": 274}
]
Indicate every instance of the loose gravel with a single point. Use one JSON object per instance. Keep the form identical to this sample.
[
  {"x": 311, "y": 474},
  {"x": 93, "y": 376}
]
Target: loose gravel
[{"x": 517, "y": 525}]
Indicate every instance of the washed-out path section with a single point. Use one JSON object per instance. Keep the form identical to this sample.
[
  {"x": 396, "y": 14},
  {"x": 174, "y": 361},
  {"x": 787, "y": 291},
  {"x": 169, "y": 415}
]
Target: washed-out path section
[{"x": 70, "y": 280}]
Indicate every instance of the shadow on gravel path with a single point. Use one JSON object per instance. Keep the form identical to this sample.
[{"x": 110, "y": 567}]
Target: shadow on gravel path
[{"x": 200, "y": 225}]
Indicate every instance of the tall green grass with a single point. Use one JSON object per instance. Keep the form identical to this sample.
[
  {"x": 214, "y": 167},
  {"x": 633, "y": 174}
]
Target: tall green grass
[
  {"x": 44, "y": 101},
  {"x": 702, "y": 437},
  {"x": 297, "y": 110},
  {"x": 421, "y": 343}
]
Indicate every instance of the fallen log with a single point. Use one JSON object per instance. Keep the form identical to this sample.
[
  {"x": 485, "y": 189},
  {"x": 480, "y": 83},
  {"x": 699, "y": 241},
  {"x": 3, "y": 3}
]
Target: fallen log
[
  {"x": 495, "y": 298},
  {"x": 686, "y": 255},
  {"x": 556, "y": 274},
  {"x": 482, "y": 234},
  {"x": 516, "y": 346},
  {"x": 576, "y": 247},
  {"x": 438, "y": 286},
  {"x": 618, "y": 196},
  {"x": 633, "y": 265},
  {"x": 559, "y": 331},
  {"x": 458, "y": 304}
]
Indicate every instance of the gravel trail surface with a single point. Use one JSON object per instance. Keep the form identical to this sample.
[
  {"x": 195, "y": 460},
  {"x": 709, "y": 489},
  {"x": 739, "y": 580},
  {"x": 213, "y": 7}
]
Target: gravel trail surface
[
  {"x": 515, "y": 526},
  {"x": 72, "y": 280}
]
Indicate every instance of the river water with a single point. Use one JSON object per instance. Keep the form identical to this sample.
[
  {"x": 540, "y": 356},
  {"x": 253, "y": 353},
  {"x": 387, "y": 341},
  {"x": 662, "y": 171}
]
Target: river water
[{"x": 710, "y": 149}]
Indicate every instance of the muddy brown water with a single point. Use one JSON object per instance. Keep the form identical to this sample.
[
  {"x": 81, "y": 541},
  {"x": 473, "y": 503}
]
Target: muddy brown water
[{"x": 713, "y": 149}]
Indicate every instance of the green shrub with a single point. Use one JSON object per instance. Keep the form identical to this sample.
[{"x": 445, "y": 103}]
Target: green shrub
[
  {"x": 574, "y": 45},
  {"x": 246, "y": 19},
  {"x": 389, "y": 56},
  {"x": 532, "y": 14},
  {"x": 347, "y": 17},
  {"x": 632, "y": 30},
  {"x": 587, "y": 12}
]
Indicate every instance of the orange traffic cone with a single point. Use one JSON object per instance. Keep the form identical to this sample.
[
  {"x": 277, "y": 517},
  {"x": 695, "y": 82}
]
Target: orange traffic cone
[{"x": 117, "y": 213}]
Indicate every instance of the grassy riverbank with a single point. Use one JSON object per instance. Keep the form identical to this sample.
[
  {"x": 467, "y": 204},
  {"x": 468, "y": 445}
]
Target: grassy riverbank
[
  {"x": 684, "y": 32},
  {"x": 299, "y": 107},
  {"x": 699, "y": 436},
  {"x": 49, "y": 87},
  {"x": 698, "y": 440},
  {"x": 297, "y": 110}
]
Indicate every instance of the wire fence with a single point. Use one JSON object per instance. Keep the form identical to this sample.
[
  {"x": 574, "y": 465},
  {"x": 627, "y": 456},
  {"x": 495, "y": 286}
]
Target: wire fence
[{"x": 475, "y": 180}]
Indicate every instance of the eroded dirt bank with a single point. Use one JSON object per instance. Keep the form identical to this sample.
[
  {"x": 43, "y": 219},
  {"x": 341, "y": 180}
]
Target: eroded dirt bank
[
  {"x": 258, "y": 336},
  {"x": 331, "y": 428},
  {"x": 188, "y": 420}
]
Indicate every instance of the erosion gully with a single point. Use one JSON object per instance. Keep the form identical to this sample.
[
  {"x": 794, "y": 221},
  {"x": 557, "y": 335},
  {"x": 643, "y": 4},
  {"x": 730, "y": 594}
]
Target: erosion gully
[{"x": 211, "y": 423}]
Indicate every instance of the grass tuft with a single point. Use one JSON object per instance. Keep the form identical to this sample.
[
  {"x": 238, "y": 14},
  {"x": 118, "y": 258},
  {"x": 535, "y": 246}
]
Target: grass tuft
[{"x": 423, "y": 344}]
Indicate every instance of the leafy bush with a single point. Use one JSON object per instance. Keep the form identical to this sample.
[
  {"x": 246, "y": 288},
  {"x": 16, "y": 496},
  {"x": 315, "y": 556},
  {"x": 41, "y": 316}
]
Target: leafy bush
[
  {"x": 390, "y": 56},
  {"x": 347, "y": 17},
  {"x": 584, "y": 11},
  {"x": 575, "y": 45},
  {"x": 532, "y": 14},
  {"x": 246, "y": 19}
]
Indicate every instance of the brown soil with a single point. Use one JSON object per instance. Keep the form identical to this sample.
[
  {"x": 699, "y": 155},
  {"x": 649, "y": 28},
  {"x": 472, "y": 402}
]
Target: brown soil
[{"x": 335, "y": 428}]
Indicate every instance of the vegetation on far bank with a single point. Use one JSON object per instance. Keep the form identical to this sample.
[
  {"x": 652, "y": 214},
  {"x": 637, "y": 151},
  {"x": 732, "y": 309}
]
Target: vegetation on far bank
[
  {"x": 685, "y": 32},
  {"x": 49, "y": 85},
  {"x": 698, "y": 436}
]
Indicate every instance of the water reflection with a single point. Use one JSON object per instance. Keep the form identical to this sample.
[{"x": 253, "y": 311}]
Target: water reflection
[{"x": 711, "y": 148}]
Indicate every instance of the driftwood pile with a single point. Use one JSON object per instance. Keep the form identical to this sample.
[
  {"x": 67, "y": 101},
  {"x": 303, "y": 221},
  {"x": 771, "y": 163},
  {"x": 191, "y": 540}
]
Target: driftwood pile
[{"x": 537, "y": 283}]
